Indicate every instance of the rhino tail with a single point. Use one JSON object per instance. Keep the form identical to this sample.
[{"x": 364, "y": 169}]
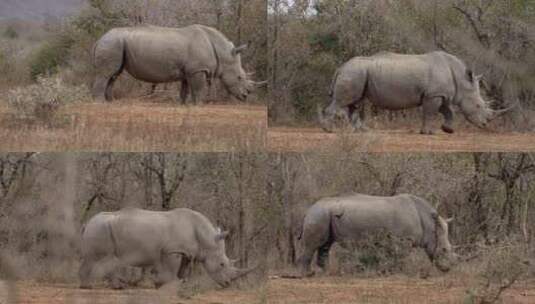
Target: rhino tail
[
  {"x": 94, "y": 54},
  {"x": 333, "y": 83},
  {"x": 82, "y": 229}
]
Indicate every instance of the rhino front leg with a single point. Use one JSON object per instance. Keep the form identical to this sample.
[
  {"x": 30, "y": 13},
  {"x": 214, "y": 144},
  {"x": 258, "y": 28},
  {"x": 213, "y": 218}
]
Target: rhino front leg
[
  {"x": 304, "y": 261},
  {"x": 446, "y": 111},
  {"x": 197, "y": 84},
  {"x": 184, "y": 91},
  {"x": 430, "y": 109},
  {"x": 168, "y": 269},
  {"x": 185, "y": 269},
  {"x": 323, "y": 255}
]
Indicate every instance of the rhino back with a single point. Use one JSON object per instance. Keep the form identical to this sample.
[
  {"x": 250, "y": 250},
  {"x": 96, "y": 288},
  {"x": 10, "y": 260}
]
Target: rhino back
[
  {"x": 396, "y": 81},
  {"x": 160, "y": 54},
  {"x": 359, "y": 214}
]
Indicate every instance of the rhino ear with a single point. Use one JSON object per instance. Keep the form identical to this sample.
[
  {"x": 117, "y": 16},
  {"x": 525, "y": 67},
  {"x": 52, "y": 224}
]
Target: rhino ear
[
  {"x": 239, "y": 49},
  {"x": 221, "y": 236},
  {"x": 470, "y": 75}
]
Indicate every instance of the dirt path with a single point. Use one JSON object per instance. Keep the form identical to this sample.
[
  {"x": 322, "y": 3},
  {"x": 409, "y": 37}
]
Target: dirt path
[
  {"x": 140, "y": 126},
  {"x": 280, "y": 291},
  {"x": 282, "y": 139}
]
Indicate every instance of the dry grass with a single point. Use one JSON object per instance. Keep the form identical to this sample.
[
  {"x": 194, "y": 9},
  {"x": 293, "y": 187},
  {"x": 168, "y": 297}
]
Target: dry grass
[
  {"x": 447, "y": 289},
  {"x": 140, "y": 126},
  {"x": 315, "y": 140}
]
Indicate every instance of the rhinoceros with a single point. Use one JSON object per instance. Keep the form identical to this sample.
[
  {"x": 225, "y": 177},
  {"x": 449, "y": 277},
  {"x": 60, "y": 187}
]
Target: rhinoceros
[
  {"x": 436, "y": 81},
  {"x": 193, "y": 55},
  {"x": 352, "y": 217},
  {"x": 163, "y": 241}
]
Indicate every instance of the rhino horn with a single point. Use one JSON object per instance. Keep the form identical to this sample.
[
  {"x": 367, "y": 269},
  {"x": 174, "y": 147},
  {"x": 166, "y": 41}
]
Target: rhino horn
[
  {"x": 239, "y": 49},
  {"x": 496, "y": 113},
  {"x": 238, "y": 272},
  {"x": 259, "y": 83}
]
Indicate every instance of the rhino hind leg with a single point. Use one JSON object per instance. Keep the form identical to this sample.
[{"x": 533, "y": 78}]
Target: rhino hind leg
[
  {"x": 356, "y": 118},
  {"x": 197, "y": 85},
  {"x": 84, "y": 274},
  {"x": 109, "y": 59},
  {"x": 323, "y": 254}
]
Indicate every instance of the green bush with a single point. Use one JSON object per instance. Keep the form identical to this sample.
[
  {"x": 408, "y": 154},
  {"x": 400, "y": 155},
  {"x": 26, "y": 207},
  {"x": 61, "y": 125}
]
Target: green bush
[
  {"x": 381, "y": 253},
  {"x": 47, "y": 59},
  {"x": 10, "y": 33}
]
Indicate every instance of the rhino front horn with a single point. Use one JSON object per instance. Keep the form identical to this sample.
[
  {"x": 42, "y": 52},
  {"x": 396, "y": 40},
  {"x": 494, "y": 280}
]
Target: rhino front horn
[
  {"x": 242, "y": 272},
  {"x": 497, "y": 113},
  {"x": 260, "y": 83}
]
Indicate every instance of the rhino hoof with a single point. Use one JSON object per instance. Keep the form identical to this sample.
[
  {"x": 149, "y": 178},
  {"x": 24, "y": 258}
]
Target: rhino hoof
[{"x": 447, "y": 129}]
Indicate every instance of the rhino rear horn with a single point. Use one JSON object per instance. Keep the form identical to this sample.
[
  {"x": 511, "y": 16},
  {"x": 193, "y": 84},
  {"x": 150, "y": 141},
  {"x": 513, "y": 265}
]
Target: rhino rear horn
[
  {"x": 239, "y": 49},
  {"x": 221, "y": 236}
]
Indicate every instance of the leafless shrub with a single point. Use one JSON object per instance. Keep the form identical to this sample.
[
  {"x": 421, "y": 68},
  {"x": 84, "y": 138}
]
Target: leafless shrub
[
  {"x": 504, "y": 265},
  {"x": 40, "y": 102}
]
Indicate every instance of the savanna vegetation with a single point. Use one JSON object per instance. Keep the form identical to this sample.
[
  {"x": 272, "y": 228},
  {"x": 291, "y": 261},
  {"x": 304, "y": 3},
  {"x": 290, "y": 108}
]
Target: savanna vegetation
[
  {"x": 310, "y": 39},
  {"x": 47, "y": 72},
  {"x": 261, "y": 199}
]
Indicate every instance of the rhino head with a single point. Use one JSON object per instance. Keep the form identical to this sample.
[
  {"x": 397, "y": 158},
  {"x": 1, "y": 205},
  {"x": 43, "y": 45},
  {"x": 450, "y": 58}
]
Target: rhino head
[
  {"x": 442, "y": 254},
  {"x": 218, "y": 266},
  {"x": 332, "y": 117},
  {"x": 234, "y": 78},
  {"x": 474, "y": 108}
]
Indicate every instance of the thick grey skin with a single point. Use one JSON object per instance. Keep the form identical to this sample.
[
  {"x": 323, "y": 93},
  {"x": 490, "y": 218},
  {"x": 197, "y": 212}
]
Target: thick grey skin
[
  {"x": 194, "y": 55},
  {"x": 164, "y": 241},
  {"x": 354, "y": 216},
  {"x": 435, "y": 81}
]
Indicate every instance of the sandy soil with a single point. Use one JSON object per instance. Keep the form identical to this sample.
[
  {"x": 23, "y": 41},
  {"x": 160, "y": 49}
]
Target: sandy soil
[
  {"x": 139, "y": 126},
  {"x": 279, "y": 291},
  {"x": 283, "y": 139}
]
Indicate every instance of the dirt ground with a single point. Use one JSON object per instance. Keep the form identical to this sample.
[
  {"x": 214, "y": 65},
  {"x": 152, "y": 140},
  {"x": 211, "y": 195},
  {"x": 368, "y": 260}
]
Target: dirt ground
[
  {"x": 140, "y": 126},
  {"x": 280, "y": 291},
  {"x": 284, "y": 139}
]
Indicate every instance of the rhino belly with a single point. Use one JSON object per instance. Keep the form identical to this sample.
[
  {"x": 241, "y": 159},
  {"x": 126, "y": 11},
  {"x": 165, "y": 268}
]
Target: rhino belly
[
  {"x": 153, "y": 67},
  {"x": 394, "y": 91},
  {"x": 361, "y": 224}
]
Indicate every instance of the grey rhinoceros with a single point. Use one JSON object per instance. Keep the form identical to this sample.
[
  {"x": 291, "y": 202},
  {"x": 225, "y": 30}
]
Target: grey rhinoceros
[
  {"x": 436, "y": 81},
  {"x": 194, "y": 55},
  {"x": 163, "y": 241},
  {"x": 353, "y": 217}
]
